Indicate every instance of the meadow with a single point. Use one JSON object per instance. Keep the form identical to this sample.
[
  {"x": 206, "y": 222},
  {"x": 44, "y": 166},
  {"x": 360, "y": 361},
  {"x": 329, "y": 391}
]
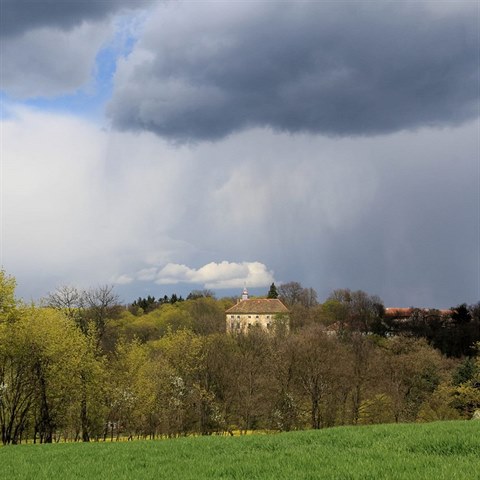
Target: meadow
[{"x": 441, "y": 450}]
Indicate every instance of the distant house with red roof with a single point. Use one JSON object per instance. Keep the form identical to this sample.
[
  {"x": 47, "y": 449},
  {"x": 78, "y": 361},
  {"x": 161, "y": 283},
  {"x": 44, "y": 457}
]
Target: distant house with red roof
[
  {"x": 403, "y": 314},
  {"x": 266, "y": 313}
]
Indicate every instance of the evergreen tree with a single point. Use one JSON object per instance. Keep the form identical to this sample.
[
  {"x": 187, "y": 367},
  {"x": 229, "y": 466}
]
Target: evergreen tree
[{"x": 272, "y": 293}]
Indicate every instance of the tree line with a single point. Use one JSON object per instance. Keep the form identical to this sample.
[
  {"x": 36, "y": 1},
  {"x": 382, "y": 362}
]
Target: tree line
[{"x": 82, "y": 367}]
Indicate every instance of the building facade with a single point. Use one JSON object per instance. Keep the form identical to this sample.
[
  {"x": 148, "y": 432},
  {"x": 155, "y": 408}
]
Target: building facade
[{"x": 266, "y": 313}]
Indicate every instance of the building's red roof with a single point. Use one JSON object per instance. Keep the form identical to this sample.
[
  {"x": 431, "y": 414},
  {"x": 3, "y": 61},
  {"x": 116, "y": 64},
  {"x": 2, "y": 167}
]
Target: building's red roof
[
  {"x": 259, "y": 306},
  {"x": 400, "y": 312}
]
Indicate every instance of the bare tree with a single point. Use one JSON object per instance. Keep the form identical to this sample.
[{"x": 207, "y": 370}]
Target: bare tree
[
  {"x": 321, "y": 367},
  {"x": 85, "y": 307},
  {"x": 292, "y": 293},
  {"x": 66, "y": 298},
  {"x": 100, "y": 302},
  {"x": 362, "y": 351},
  {"x": 70, "y": 301},
  {"x": 308, "y": 297},
  {"x": 356, "y": 311}
]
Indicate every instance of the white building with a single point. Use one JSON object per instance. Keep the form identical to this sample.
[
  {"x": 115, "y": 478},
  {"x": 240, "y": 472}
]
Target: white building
[{"x": 266, "y": 313}]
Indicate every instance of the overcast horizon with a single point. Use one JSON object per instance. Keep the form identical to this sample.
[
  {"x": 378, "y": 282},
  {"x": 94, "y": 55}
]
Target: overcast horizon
[{"x": 167, "y": 146}]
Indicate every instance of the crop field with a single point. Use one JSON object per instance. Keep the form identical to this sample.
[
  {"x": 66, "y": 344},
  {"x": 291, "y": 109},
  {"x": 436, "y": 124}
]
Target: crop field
[{"x": 442, "y": 450}]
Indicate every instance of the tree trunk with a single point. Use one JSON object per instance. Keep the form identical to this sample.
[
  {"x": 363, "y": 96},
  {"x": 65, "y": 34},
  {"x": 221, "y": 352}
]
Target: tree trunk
[
  {"x": 45, "y": 427},
  {"x": 315, "y": 412},
  {"x": 84, "y": 413}
]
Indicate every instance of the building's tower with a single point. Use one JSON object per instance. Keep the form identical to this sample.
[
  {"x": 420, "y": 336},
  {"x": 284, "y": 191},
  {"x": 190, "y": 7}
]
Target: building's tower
[{"x": 245, "y": 293}]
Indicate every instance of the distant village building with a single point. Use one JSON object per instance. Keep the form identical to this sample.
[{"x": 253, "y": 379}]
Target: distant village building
[
  {"x": 394, "y": 317},
  {"x": 267, "y": 313},
  {"x": 401, "y": 314}
]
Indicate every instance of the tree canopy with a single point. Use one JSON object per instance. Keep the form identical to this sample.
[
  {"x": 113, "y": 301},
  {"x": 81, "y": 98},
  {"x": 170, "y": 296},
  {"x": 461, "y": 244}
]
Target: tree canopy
[{"x": 86, "y": 368}]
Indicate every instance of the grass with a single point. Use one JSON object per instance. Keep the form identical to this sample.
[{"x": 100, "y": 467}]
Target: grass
[{"x": 442, "y": 450}]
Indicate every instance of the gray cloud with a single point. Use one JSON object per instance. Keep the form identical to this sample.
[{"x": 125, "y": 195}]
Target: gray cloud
[
  {"x": 418, "y": 241},
  {"x": 48, "y": 47},
  {"x": 49, "y": 62},
  {"x": 203, "y": 71},
  {"x": 395, "y": 215},
  {"x": 19, "y": 16}
]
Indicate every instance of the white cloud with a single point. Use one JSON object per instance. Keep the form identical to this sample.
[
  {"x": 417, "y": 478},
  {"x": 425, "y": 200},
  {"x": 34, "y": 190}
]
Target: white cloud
[
  {"x": 76, "y": 209},
  {"x": 212, "y": 275},
  {"x": 122, "y": 280},
  {"x": 51, "y": 203},
  {"x": 147, "y": 274}
]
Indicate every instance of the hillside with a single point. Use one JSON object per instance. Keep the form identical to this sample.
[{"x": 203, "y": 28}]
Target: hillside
[{"x": 442, "y": 450}]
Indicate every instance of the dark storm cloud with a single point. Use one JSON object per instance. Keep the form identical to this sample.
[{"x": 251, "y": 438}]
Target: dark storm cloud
[
  {"x": 204, "y": 72},
  {"x": 18, "y": 16},
  {"x": 418, "y": 244},
  {"x": 395, "y": 215}
]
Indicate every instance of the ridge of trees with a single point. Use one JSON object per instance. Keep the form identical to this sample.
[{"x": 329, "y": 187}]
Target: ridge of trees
[
  {"x": 82, "y": 367},
  {"x": 149, "y": 303}
]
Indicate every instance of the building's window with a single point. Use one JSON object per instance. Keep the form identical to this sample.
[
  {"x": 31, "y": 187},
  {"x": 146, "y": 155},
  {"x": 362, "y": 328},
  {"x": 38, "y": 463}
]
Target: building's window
[
  {"x": 238, "y": 316},
  {"x": 268, "y": 316},
  {"x": 249, "y": 316},
  {"x": 257, "y": 316},
  {"x": 232, "y": 316}
]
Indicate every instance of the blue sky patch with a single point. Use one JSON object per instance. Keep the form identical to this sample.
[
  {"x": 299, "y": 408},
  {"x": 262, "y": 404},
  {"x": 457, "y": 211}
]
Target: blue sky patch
[{"x": 88, "y": 101}]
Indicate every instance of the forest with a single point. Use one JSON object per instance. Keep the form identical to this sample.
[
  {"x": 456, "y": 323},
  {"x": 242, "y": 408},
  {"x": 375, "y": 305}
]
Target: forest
[{"x": 80, "y": 366}]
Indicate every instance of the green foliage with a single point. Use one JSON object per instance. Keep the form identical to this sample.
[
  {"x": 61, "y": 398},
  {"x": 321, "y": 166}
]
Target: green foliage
[
  {"x": 42, "y": 356},
  {"x": 8, "y": 303},
  {"x": 203, "y": 315},
  {"x": 208, "y": 315},
  {"x": 439, "y": 406},
  {"x": 205, "y": 293},
  {"x": 378, "y": 409},
  {"x": 355, "y": 311},
  {"x": 88, "y": 369},
  {"x": 145, "y": 305},
  {"x": 272, "y": 292},
  {"x": 467, "y": 399},
  {"x": 412, "y": 371},
  {"x": 465, "y": 372},
  {"x": 151, "y": 326},
  {"x": 454, "y": 332}
]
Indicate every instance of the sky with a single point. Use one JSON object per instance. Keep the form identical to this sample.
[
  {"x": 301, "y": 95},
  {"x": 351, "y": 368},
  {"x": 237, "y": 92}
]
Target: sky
[{"x": 167, "y": 146}]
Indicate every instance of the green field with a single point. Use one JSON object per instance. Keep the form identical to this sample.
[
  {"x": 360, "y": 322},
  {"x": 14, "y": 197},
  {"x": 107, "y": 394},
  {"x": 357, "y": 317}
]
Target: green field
[{"x": 444, "y": 450}]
